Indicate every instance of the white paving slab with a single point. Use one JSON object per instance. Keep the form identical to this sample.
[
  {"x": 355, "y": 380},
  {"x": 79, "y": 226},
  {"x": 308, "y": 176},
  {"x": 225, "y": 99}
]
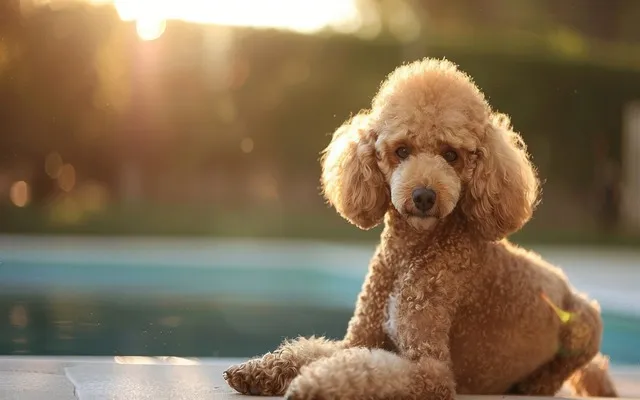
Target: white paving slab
[
  {"x": 144, "y": 382},
  {"x": 142, "y": 378},
  {"x": 26, "y": 385}
]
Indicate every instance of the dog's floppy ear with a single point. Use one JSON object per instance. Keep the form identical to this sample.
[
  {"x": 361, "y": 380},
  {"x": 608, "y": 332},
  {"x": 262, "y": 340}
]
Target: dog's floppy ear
[
  {"x": 503, "y": 191},
  {"x": 351, "y": 179}
]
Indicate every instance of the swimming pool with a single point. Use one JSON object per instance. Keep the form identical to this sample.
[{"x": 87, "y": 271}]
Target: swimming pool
[{"x": 194, "y": 301}]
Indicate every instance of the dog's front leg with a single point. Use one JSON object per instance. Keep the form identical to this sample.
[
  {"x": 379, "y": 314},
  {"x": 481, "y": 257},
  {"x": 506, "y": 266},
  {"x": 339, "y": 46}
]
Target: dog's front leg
[
  {"x": 422, "y": 370},
  {"x": 424, "y": 309},
  {"x": 366, "y": 326},
  {"x": 272, "y": 373}
]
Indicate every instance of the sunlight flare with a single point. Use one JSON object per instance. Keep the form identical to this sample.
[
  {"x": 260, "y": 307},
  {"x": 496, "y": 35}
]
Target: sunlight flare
[
  {"x": 308, "y": 16},
  {"x": 150, "y": 28}
]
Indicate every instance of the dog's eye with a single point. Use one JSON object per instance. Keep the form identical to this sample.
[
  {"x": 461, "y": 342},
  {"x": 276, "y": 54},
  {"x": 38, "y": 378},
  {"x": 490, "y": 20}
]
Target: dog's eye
[
  {"x": 450, "y": 156},
  {"x": 402, "y": 152}
]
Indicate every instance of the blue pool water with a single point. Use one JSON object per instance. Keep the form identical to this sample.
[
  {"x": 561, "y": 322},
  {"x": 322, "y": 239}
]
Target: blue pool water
[{"x": 327, "y": 297}]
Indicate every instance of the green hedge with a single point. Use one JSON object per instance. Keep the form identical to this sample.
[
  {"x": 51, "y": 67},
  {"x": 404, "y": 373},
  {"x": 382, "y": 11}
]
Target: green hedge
[{"x": 150, "y": 220}]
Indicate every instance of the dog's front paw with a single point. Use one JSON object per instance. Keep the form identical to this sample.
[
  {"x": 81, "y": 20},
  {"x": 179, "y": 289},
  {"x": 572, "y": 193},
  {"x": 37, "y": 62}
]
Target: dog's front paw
[
  {"x": 327, "y": 380},
  {"x": 306, "y": 388},
  {"x": 245, "y": 378},
  {"x": 266, "y": 376}
]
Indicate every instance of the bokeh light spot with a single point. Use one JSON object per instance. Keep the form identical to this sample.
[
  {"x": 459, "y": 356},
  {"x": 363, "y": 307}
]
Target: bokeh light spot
[
  {"x": 53, "y": 165},
  {"x": 67, "y": 178},
  {"x": 20, "y": 193},
  {"x": 246, "y": 145},
  {"x": 150, "y": 29}
]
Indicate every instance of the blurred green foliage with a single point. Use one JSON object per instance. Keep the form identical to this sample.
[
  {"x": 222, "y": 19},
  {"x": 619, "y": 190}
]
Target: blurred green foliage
[{"x": 226, "y": 143}]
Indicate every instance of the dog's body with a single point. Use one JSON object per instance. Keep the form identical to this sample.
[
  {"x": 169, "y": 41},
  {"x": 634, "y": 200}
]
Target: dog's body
[
  {"x": 448, "y": 305},
  {"x": 498, "y": 336}
]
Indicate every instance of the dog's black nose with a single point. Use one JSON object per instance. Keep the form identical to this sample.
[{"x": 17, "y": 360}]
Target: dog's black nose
[{"x": 424, "y": 199}]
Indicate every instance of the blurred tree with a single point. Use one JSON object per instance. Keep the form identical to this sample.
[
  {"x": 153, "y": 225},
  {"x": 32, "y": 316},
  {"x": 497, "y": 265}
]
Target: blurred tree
[
  {"x": 48, "y": 86},
  {"x": 242, "y": 104}
]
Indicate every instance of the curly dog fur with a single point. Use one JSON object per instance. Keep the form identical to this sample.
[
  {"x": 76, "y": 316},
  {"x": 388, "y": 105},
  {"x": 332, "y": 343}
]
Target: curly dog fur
[{"x": 449, "y": 305}]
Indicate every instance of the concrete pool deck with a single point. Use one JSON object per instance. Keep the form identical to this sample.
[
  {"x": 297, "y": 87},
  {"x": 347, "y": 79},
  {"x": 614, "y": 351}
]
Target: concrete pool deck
[{"x": 143, "y": 378}]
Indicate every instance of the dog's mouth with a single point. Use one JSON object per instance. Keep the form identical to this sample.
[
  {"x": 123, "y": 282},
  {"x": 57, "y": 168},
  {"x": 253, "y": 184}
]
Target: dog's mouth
[
  {"x": 413, "y": 212},
  {"x": 421, "y": 221}
]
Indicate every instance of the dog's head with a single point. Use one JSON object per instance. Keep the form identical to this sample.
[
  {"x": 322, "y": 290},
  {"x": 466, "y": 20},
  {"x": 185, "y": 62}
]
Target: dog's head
[{"x": 430, "y": 145}]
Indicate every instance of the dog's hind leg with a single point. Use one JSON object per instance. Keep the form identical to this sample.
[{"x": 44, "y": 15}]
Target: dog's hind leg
[
  {"x": 593, "y": 380},
  {"x": 372, "y": 374},
  {"x": 580, "y": 344}
]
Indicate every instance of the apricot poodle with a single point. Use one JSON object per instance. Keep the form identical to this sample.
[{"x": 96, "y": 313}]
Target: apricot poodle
[{"x": 448, "y": 305}]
